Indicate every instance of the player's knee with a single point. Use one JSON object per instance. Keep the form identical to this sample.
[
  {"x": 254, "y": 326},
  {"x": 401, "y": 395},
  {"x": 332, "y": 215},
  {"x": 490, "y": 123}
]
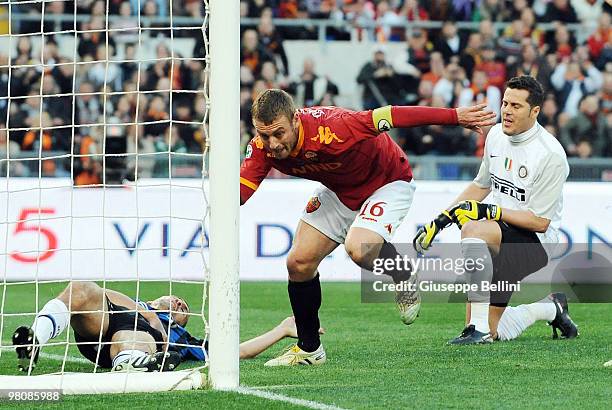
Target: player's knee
[
  {"x": 356, "y": 254},
  {"x": 362, "y": 254},
  {"x": 300, "y": 268},
  {"x": 472, "y": 229}
]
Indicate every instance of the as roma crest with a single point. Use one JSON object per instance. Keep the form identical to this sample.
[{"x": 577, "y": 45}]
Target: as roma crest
[{"x": 313, "y": 205}]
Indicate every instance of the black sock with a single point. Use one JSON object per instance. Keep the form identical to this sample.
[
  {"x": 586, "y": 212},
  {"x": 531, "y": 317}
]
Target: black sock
[
  {"x": 305, "y": 300},
  {"x": 401, "y": 271}
]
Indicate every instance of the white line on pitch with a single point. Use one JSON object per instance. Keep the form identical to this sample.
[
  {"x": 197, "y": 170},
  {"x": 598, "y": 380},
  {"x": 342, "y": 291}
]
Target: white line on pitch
[
  {"x": 280, "y": 397},
  {"x": 60, "y": 358}
]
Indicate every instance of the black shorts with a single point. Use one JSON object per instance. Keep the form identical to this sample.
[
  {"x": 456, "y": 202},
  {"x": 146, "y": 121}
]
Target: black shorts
[
  {"x": 520, "y": 255},
  {"x": 119, "y": 319}
]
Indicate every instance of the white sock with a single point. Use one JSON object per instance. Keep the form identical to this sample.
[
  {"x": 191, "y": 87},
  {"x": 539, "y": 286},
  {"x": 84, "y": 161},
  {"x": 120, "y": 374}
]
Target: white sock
[
  {"x": 515, "y": 320},
  {"x": 52, "y": 319},
  {"x": 476, "y": 249},
  {"x": 125, "y": 356},
  {"x": 479, "y": 316}
]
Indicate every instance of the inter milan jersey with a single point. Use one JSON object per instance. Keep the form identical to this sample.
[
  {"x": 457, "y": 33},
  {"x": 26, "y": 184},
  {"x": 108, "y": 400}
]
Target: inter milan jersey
[
  {"x": 526, "y": 172},
  {"x": 347, "y": 151},
  {"x": 189, "y": 347}
]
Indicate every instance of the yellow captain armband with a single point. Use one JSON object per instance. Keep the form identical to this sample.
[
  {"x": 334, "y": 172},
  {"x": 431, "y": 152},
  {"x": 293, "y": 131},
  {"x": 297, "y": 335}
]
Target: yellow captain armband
[{"x": 382, "y": 119}]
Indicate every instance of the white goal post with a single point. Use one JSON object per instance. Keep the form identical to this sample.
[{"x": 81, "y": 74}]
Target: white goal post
[
  {"x": 224, "y": 315},
  {"x": 53, "y": 232}
]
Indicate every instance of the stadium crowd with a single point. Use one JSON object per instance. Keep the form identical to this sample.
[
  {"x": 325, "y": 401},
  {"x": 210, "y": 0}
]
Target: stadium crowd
[{"x": 444, "y": 67}]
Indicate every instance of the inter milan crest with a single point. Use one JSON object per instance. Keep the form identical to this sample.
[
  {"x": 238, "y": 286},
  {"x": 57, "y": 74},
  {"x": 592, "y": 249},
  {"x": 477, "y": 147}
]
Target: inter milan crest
[
  {"x": 522, "y": 172},
  {"x": 313, "y": 205}
]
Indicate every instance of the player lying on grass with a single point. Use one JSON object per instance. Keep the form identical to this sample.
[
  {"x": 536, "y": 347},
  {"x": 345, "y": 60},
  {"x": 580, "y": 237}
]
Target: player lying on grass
[
  {"x": 522, "y": 173},
  {"x": 366, "y": 191},
  {"x": 110, "y": 333}
]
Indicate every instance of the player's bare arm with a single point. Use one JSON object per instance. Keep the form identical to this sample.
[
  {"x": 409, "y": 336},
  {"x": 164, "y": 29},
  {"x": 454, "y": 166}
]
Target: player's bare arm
[{"x": 253, "y": 347}]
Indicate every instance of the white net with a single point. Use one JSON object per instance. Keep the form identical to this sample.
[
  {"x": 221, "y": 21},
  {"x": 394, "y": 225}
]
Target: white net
[{"x": 103, "y": 143}]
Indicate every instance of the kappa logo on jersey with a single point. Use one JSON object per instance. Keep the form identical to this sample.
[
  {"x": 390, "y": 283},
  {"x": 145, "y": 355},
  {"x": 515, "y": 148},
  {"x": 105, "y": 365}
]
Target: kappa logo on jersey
[
  {"x": 313, "y": 205},
  {"x": 508, "y": 188},
  {"x": 389, "y": 228},
  {"x": 330, "y": 166},
  {"x": 326, "y": 136},
  {"x": 258, "y": 142},
  {"x": 249, "y": 151}
]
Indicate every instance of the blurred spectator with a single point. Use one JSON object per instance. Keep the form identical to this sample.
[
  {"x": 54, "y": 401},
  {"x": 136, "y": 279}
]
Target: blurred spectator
[
  {"x": 101, "y": 73},
  {"x": 13, "y": 148},
  {"x": 600, "y": 42},
  {"x": 379, "y": 82},
  {"x": 480, "y": 92},
  {"x": 563, "y": 43},
  {"x": 549, "y": 113},
  {"x": 436, "y": 71},
  {"x": 170, "y": 143},
  {"x": 160, "y": 7},
  {"x": 412, "y": 62},
  {"x": 472, "y": 54},
  {"x": 530, "y": 63},
  {"x": 310, "y": 88},
  {"x": 605, "y": 94},
  {"x": 127, "y": 23},
  {"x": 496, "y": 71},
  {"x": 387, "y": 21},
  {"x": 531, "y": 31},
  {"x": 463, "y": 10},
  {"x": 573, "y": 80},
  {"x": 361, "y": 15},
  {"x": 449, "y": 43},
  {"x": 439, "y": 10},
  {"x": 88, "y": 108},
  {"x": 560, "y": 10},
  {"x": 450, "y": 86},
  {"x": 253, "y": 54},
  {"x": 273, "y": 43},
  {"x": 413, "y": 11},
  {"x": 87, "y": 165},
  {"x": 588, "y": 11},
  {"x": 270, "y": 76},
  {"x": 511, "y": 40},
  {"x": 588, "y": 127},
  {"x": 487, "y": 32},
  {"x": 93, "y": 36},
  {"x": 157, "y": 117},
  {"x": 493, "y": 10}
]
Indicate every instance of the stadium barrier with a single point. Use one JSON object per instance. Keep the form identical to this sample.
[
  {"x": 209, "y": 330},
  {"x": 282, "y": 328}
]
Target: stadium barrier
[{"x": 88, "y": 246}]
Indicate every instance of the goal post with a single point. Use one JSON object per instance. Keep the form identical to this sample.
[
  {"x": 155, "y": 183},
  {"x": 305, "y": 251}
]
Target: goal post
[
  {"x": 132, "y": 223},
  {"x": 224, "y": 317}
]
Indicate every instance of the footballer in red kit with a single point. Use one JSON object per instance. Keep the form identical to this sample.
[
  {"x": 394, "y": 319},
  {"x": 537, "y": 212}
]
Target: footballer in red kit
[{"x": 366, "y": 191}]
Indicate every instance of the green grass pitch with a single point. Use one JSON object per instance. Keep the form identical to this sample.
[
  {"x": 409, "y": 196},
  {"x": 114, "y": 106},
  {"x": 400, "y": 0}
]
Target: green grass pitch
[{"x": 374, "y": 361}]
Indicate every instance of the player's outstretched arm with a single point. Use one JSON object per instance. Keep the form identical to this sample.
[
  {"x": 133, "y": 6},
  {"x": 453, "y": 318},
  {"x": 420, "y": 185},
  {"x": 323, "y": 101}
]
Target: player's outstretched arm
[
  {"x": 255, "y": 346},
  {"x": 385, "y": 118}
]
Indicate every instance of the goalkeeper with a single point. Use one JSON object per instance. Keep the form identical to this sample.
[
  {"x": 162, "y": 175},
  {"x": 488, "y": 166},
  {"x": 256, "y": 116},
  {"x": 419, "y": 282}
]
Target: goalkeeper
[
  {"x": 523, "y": 171},
  {"x": 119, "y": 333}
]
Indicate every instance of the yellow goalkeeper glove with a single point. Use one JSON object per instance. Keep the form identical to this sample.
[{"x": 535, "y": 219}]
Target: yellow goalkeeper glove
[
  {"x": 472, "y": 210},
  {"x": 426, "y": 234}
]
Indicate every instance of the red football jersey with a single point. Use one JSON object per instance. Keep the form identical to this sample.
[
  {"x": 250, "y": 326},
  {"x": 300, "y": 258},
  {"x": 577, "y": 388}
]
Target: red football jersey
[{"x": 342, "y": 149}]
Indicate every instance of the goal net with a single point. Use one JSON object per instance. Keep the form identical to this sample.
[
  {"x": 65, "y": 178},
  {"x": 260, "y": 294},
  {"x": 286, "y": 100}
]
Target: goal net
[{"x": 111, "y": 175}]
